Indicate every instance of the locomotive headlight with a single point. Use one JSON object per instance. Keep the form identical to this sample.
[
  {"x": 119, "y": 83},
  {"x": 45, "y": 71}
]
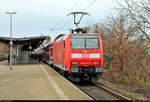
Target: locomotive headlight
[
  {"x": 95, "y": 63},
  {"x": 74, "y": 62},
  {"x": 74, "y": 69},
  {"x": 98, "y": 69}
]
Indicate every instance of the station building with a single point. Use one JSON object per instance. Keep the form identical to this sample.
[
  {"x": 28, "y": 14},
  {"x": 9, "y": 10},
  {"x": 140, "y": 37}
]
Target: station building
[{"x": 23, "y": 48}]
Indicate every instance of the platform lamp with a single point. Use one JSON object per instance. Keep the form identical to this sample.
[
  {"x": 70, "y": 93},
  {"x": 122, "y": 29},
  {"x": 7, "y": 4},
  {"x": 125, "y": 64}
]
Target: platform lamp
[
  {"x": 30, "y": 48},
  {"x": 11, "y": 43}
]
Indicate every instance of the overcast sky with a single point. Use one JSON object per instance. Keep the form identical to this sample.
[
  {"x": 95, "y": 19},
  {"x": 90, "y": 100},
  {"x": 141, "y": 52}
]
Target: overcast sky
[{"x": 49, "y": 17}]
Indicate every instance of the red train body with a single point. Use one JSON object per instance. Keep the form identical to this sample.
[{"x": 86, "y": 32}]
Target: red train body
[{"x": 78, "y": 56}]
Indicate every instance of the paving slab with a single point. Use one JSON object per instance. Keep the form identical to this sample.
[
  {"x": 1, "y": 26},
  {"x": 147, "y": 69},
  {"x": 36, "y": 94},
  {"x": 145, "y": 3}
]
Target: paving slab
[{"x": 36, "y": 82}]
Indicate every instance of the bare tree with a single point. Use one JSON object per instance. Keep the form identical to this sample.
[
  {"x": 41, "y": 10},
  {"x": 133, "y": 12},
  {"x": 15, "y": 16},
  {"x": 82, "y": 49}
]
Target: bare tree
[{"x": 137, "y": 12}]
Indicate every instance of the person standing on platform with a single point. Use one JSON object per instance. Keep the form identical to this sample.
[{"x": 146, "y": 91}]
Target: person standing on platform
[{"x": 8, "y": 58}]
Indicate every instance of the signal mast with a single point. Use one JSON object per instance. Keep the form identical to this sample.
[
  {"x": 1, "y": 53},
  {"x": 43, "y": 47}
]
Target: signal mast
[{"x": 78, "y": 22}]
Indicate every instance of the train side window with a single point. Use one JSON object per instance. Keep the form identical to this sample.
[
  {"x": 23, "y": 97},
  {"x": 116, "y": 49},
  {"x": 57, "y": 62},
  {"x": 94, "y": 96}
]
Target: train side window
[
  {"x": 60, "y": 39},
  {"x": 64, "y": 44}
]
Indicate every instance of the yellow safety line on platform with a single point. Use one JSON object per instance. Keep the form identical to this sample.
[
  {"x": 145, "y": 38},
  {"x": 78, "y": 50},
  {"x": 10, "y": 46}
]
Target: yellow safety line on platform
[{"x": 54, "y": 85}]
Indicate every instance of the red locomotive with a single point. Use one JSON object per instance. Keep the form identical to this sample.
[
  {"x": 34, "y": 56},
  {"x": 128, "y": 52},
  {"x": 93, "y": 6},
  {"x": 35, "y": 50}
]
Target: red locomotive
[{"x": 77, "y": 56}]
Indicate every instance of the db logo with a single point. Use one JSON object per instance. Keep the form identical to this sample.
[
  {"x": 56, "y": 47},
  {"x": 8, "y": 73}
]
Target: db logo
[{"x": 85, "y": 56}]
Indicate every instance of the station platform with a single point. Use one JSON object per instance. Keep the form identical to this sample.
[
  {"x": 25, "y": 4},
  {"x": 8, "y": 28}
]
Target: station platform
[{"x": 36, "y": 82}]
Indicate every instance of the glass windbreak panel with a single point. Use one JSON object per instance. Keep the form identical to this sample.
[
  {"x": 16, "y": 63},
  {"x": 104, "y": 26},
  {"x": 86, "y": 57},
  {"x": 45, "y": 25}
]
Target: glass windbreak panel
[
  {"x": 84, "y": 42},
  {"x": 77, "y": 42},
  {"x": 92, "y": 43}
]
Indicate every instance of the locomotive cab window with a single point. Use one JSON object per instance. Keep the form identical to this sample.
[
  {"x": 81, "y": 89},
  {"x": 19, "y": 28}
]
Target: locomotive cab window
[
  {"x": 84, "y": 42},
  {"x": 77, "y": 42}
]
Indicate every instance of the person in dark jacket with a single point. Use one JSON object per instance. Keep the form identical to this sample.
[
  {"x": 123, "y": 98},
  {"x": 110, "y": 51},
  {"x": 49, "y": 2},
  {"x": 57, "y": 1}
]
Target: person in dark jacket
[{"x": 8, "y": 58}]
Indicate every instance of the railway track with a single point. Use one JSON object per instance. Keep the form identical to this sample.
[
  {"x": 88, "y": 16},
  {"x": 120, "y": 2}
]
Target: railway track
[
  {"x": 98, "y": 91},
  {"x": 114, "y": 92}
]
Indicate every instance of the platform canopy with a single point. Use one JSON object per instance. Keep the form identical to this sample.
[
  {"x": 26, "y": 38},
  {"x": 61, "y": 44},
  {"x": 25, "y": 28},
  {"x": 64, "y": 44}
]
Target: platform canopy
[{"x": 26, "y": 40}]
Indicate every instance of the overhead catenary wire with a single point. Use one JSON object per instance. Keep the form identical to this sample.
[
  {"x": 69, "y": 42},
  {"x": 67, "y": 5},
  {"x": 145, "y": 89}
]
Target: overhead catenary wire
[
  {"x": 93, "y": 10},
  {"x": 75, "y": 4},
  {"x": 66, "y": 23},
  {"x": 89, "y": 5}
]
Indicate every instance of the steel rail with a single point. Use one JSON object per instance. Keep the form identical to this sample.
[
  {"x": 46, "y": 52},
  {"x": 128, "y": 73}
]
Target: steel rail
[
  {"x": 86, "y": 92},
  {"x": 113, "y": 92},
  {"x": 105, "y": 88}
]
